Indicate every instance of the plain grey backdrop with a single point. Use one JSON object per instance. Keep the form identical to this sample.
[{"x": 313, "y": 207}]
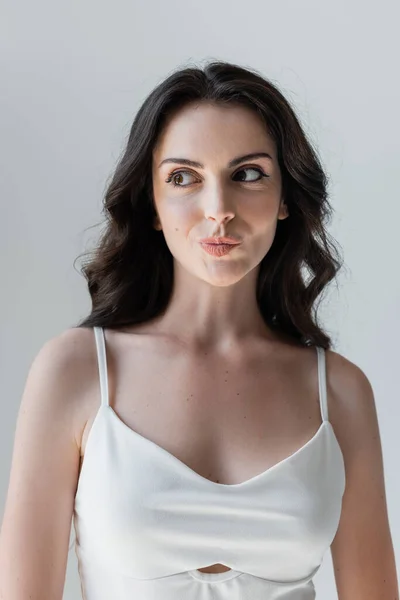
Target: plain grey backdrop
[{"x": 73, "y": 75}]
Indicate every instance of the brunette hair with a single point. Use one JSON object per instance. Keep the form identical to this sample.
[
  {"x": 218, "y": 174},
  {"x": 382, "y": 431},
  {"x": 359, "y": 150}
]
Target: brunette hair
[{"x": 130, "y": 271}]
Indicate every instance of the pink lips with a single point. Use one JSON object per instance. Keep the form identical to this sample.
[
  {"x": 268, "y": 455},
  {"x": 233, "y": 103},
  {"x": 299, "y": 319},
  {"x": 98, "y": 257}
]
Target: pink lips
[
  {"x": 218, "y": 249},
  {"x": 219, "y": 246}
]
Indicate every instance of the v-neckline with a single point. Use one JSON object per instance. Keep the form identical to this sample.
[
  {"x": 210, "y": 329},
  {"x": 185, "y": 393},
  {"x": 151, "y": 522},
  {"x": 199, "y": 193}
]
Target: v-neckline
[{"x": 325, "y": 423}]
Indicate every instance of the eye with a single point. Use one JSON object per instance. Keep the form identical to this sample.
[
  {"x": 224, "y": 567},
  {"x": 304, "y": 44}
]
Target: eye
[
  {"x": 254, "y": 169},
  {"x": 171, "y": 176}
]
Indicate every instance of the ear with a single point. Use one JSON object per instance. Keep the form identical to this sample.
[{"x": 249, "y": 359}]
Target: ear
[
  {"x": 283, "y": 211},
  {"x": 157, "y": 224}
]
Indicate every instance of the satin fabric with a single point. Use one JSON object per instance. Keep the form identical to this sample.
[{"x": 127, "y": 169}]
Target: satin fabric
[{"x": 145, "y": 522}]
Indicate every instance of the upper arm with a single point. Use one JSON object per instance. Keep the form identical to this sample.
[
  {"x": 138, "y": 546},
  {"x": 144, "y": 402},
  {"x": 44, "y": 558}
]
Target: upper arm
[
  {"x": 362, "y": 550},
  {"x": 36, "y": 523}
]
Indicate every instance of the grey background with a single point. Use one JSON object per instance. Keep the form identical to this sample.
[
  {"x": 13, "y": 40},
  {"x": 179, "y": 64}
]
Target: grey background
[{"x": 73, "y": 75}]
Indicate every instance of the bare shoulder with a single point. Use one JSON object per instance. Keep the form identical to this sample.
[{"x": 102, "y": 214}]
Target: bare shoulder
[
  {"x": 352, "y": 406},
  {"x": 70, "y": 348},
  {"x": 351, "y": 402},
  {"x": 72, "y": 345},
  {"x": 64, "y": 357},
  {"x": 344, "y": 371},
  {"x": 67, "y": 362}
]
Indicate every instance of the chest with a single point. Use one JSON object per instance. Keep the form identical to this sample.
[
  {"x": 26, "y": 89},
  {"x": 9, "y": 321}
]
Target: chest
[{"x": 227, "y": 418}]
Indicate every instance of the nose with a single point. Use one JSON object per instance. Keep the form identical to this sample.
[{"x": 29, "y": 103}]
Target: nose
[{"x": 217, "y": 206}]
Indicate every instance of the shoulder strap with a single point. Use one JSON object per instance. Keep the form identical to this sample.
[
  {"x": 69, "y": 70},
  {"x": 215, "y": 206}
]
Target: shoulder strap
[
  {"x": 102, "y": 362},
  {"x": 322, "y": 383}
]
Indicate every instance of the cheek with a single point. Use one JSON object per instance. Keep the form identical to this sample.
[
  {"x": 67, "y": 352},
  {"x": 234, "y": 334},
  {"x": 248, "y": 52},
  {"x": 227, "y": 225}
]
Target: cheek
[
  {"x": 261, "y": 219},
  {"x": 179, "y": 219},
  {"x": 260, "y": 214},
  {"x": 178, "y": 215}
]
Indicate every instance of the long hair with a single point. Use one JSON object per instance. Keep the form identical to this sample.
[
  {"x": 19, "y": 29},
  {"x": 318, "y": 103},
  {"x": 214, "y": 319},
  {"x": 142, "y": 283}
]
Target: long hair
[{"x": 130, "y": 271}]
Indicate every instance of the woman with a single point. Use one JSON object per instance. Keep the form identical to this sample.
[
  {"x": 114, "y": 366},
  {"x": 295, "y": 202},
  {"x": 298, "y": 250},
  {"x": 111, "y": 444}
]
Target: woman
[{"x": 197, "y": 425}]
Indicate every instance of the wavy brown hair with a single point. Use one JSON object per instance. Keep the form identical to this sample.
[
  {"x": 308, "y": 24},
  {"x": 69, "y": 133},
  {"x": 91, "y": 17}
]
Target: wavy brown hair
[{"x": 130, "y": 271}]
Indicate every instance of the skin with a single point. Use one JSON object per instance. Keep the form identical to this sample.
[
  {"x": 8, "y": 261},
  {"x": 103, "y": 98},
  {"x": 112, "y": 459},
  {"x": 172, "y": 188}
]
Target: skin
[{"x": 226, "y": 357}]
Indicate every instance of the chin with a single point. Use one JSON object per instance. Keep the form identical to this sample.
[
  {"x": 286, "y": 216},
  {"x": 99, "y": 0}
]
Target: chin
[{"x": 224, "y": 279}]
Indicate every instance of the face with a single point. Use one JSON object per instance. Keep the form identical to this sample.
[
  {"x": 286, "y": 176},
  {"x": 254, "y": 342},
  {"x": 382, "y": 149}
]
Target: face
[{"x": 223, "y": 194}]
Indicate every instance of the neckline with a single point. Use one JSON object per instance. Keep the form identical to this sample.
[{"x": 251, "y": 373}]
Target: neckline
[{"x": 185, "y": 468}]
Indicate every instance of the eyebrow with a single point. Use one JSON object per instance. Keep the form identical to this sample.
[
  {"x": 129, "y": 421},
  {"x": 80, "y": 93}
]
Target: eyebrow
[{"x": 233, "y": 163}]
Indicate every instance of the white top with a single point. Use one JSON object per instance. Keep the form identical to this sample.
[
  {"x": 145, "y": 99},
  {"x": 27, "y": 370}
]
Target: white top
[{"x": 145, "y": 522}]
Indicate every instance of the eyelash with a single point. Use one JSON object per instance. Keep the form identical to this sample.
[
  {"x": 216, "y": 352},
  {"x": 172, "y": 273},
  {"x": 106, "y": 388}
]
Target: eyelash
[{"x": 171, "y": 175}]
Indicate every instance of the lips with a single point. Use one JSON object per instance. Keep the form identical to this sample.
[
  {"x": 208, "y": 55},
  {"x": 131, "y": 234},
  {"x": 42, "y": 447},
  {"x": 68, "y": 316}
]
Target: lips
[
  {"x": 220, "y": 240},
  {"x": 218, "y": 249}
]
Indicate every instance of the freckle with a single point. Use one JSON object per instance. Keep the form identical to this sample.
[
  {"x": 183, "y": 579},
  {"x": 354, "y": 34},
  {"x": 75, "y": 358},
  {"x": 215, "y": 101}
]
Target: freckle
[
  {"x": 237, "y": 394},
  {"x": 226, "y": 380}
]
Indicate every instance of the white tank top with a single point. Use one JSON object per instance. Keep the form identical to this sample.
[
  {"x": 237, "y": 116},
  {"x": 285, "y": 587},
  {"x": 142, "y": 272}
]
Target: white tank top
[{"x": 145, "y": 522}]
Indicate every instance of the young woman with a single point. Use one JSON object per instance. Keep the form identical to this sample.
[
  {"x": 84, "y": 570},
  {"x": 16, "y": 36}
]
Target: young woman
[{"x": 197, "y": 425}]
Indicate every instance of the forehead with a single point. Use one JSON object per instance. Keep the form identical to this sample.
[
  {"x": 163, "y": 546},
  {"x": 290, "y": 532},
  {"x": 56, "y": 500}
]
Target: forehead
[{"x": 218, "y": 132}]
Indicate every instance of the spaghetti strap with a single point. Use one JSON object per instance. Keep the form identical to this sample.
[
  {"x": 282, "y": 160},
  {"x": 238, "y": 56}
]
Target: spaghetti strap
[
  {"x": 322, "y": 383},
  {"x": 102, "y": 362}
]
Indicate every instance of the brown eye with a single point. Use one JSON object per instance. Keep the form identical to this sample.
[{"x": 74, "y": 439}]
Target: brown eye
[
  {"x": 172, "y": 177},
  {"x": 254, "y": 169}
]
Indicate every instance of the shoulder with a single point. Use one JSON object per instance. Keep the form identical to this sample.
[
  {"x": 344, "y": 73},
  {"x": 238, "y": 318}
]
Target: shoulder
[
  {"x": 68, "y": 356},
  {"x": 70, "y": 345},
  {"x": 348, "y": 385},
  {"x": 351, "y": 403},
  {"x": 63, "y": 372},
  {"x": 65, "y": 346}
]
